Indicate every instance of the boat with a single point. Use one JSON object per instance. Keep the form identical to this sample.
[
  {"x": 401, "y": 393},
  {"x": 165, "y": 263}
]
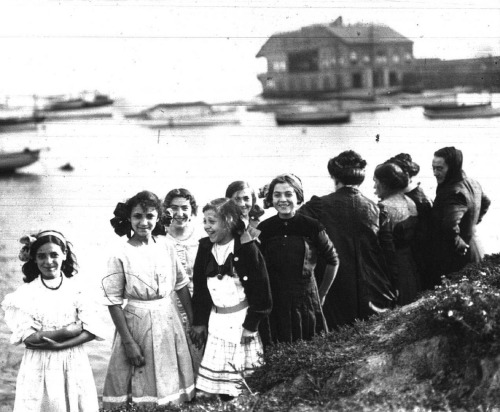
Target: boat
[
  {"x": 10, "y": 161},
  {"x": 460, "y": 110},
  {"x": 311, "y": 114},
  {"x": 190, "y": 114},
  {"x": 85, "y": 105},
  {"x": 19, "y": 119}
]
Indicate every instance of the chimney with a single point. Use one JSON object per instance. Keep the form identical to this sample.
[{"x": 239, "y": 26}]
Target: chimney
[{"x": 337, "y": 23}]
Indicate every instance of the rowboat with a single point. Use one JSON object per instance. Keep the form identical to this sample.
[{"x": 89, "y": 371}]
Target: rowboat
[
  {"x": 312, "y": 114},
  {"x": 10, "y": 161}
]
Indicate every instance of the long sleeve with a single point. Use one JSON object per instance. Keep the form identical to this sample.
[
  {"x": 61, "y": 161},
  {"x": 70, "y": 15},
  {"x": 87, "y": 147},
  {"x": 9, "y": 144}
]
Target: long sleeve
[
  {"x": 485, "y": 205},
  {"x": 455, "y": 208},
  {"x": 386, "y": 239},
  {"x": 326, "y": 248},
  {"x": 251, "y": 264},
  {"x": 202, "y": 301}
]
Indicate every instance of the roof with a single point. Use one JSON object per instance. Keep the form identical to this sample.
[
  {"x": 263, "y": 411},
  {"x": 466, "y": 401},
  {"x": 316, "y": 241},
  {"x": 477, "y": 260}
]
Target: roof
[{"x": 355, "y": 34}]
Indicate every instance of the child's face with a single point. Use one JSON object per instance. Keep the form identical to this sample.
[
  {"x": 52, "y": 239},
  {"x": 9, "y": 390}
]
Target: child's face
[
  {"x": 285, "y": 200},
  {"x": 49, "y": 259},
  {"x": 182, "y": 211},
  {"x": 243, "y": 198},
  {"x": 143, "y": 221},
  {"x": 215, "y": 228}
]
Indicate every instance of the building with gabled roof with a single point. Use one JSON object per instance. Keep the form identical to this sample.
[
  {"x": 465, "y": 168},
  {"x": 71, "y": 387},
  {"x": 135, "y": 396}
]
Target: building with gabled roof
[{"x": 335, "y": 58}]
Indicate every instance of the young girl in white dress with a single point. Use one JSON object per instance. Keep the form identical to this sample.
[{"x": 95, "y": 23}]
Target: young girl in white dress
[
  {"x": 150, "y": 362},
  {"x": 231, "y": 297},
  {"x": 180, "y": 210},
  {"x": 51, "y": 317}
]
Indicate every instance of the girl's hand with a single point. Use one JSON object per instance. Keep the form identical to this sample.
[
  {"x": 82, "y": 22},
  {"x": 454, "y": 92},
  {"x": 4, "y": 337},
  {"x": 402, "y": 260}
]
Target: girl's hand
[
  {"x": 46, "y": 344},
  {"x": 198, "y": 335},
  {"x": 134, "y": 353},
  {"x": 74, "y": 329},
  {"x": 247, "y": 336}
]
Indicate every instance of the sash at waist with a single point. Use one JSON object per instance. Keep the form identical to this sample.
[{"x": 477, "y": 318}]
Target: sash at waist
[
  {"x": 149, "y": 304},
  {"x": 231, "y": 309}
]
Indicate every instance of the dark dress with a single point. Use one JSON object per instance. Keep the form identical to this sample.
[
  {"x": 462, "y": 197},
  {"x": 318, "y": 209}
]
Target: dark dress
[
  {"x": 290, "y": 248},
  {"x": 362, "y": 284},
  {"x": 397, "y": 237},
  {"x": 422, "y": 249},
  {"x": 459, "y": 206}
]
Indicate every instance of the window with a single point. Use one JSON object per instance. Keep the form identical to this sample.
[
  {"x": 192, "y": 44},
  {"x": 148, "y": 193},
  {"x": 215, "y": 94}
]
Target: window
[
  {"x": 353, "y": 57},
  {"x": 303, "y": 61},
  {"x": 279, "y": 66}
]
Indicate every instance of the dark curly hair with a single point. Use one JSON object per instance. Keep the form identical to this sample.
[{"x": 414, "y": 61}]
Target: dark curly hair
[
  {"x": 391, "y": 176},
  {"x": 30, "y": 268},
  {"x": 229, "y": 213},
  {"x": 405, "y": 162},
  {"x": 123, "y": 211},
  {"x": 348, "y": 168},
  {"x": 290, "y": 179},
  {"x": 184, "y": 193}
]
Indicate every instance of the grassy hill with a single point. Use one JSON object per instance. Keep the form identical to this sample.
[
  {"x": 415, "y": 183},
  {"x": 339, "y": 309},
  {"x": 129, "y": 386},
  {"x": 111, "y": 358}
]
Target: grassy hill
[{"x": 441, "y": 353}]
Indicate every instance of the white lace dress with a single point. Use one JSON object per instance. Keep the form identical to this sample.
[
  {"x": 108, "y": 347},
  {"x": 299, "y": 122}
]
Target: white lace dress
[{"x": 52, "y": 380}]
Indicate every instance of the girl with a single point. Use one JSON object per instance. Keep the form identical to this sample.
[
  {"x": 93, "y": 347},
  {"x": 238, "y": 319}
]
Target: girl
[
  {"x": 244, "y": 196},
  {"x": 290, "y": 245},
  {"x": 150, "y": 362},
  {"x": 49, "y": 315},
  {"x": 181, "y": 208},
  {"x": 231, "y": 296}
]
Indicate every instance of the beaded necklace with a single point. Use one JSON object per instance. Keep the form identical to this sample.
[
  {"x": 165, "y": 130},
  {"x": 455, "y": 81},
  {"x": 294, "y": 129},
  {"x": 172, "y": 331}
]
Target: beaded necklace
[{"x": 49, "y": 287}]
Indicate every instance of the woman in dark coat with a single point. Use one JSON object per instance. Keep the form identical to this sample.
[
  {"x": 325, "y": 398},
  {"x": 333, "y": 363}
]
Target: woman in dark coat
[
  {"x": 459, "y": 206},
  {"x": 361, "y": 287},
  {"x": 398, "y": 229},
  {"x": 415, "y": 192},
  {"x": 291, "y": 244}
]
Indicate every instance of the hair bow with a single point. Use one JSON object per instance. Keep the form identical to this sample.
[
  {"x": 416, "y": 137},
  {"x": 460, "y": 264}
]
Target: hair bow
[
  {"x": 121, "y": 222},
  {"x": 27, "y": 241}
]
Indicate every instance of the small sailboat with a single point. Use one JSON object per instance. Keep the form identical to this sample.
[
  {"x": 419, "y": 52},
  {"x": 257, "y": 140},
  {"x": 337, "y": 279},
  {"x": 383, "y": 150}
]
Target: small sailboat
[{"x": 464, "y": 107}]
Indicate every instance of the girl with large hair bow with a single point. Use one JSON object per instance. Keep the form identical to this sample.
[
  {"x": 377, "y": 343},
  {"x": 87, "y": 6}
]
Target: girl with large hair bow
[{"x": 51, "y": 317}]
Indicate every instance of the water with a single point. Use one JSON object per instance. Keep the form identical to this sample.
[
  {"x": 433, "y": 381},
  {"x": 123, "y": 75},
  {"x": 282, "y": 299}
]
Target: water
[{"x": 115, "y": 158}]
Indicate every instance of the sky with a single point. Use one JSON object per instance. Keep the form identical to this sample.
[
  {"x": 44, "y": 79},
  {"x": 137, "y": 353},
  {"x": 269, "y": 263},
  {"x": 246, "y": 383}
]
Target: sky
[{"x": 203, "y": 50}]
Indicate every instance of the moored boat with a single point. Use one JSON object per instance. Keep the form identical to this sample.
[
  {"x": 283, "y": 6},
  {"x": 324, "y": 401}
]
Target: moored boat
[
  {"x": 12, "y": 120},
  {"x": 85, "y": 105},
  {"x": 191, "y": 114},
  {"x": 312, "y": 115},
  {"x": 10, "y": 161},
  {"x": 460, "y": 111}
]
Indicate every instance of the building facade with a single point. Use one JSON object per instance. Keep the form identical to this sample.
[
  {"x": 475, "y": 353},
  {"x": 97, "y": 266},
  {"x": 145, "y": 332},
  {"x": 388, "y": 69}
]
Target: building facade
[{"x": 334, "y": 58}]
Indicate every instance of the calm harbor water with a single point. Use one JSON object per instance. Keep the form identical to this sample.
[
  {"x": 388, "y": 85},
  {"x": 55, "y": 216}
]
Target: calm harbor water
[{"x": 115, "y": 158}]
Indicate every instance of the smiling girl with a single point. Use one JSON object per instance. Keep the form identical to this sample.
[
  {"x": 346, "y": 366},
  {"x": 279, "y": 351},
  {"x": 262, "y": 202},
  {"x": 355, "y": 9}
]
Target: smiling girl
[
  {"x": 231, "y": 297},
  {"x": 50, "y": 316},
  {"x": 181, "y": 208},
  {"x": 244, "y": 196},
  {"x": 150, "y": 362},
  {"x": 291, "y": 244}
]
